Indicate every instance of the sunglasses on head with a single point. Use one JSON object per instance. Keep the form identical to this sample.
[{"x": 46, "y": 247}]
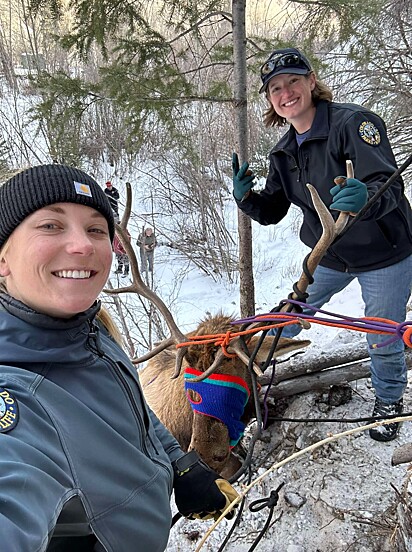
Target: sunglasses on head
[{"x": 282, "y": 60}]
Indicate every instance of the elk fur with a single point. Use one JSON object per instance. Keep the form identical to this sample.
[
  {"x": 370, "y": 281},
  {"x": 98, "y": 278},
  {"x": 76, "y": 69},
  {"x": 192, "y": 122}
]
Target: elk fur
[{"x": 167, "y": 398}]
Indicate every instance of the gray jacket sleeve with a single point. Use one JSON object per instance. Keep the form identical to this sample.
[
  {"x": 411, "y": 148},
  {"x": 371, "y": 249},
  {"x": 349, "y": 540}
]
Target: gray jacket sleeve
[{"x": 169, "y": 443}]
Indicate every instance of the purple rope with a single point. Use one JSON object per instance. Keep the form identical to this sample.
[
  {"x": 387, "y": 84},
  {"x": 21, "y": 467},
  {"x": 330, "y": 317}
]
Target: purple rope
[{"x": 350, "y": 322}]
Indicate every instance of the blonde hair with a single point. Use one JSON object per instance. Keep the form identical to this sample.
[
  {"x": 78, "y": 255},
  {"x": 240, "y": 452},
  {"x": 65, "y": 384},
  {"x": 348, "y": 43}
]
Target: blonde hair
[
  {"x": 106, "y": 319},
  {"x": 320, "y": 92}
]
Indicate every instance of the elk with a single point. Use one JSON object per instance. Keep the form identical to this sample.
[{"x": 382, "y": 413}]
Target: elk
[
  {"x": 163, "y": 379},
  {"x": 166, "y": 396}
]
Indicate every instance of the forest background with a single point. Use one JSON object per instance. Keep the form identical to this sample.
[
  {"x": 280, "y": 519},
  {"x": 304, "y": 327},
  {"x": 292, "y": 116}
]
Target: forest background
[
  {"x": 159, "y": 94},
  {"x": 155, "y": 93}
]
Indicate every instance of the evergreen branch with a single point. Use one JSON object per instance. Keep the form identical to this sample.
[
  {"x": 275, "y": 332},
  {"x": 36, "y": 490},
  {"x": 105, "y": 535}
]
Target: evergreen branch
[{"x": 225, "y": 16}]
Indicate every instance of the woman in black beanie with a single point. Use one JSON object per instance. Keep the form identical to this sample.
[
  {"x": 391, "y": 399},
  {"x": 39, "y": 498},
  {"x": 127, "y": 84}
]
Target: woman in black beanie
[{"x": 84, "y": 464}]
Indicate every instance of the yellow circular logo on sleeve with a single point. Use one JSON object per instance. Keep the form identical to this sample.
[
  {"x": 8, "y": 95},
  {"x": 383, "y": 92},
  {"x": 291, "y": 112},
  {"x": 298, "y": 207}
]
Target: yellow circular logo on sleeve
[
  {"x": 369, "y": 133},
  {"x": 9, "y": 412}
]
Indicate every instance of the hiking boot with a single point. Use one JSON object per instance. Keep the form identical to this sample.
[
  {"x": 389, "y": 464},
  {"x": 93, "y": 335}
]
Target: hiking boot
[{"x": 386, "y": 432}]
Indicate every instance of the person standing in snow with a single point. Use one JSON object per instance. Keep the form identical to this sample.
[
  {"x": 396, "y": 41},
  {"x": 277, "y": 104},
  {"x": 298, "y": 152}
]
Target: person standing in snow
[
  {"x": 85, "y": 465},
  {"x": 113, "y": 197},
  {"x": 122, "y": 258},
  {"x": 147, "y": 242},
  {"x": 322, "y": 136}
]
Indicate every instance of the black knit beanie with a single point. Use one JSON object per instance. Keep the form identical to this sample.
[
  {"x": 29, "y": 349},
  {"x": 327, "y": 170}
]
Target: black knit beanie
[{"x": 44, "y": 185}]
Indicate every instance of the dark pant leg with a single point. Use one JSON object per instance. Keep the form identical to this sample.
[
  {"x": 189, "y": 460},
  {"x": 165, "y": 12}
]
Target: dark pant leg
[{"x": 72, "y": 544}]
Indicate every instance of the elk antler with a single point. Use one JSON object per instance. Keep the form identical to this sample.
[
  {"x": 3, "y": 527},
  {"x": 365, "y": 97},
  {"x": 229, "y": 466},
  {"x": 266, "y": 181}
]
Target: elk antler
[
  {"x": 139, "y": 287},
  {"x": 236, "y": 347},
  {"x": 330, "y": 230}
]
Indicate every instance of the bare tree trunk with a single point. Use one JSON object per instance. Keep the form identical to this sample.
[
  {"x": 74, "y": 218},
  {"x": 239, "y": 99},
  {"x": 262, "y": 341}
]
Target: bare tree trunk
[
  {"x": 247, "y": 286},
  {"x": 304, "y": 364},
  {"x": 321, "y": 380},
  {"x": 6, "y": 62}
]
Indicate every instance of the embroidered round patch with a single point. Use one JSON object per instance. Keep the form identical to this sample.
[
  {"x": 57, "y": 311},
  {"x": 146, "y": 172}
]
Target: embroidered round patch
[
  {"x": 9, "y": 411},
  {"x": 369, "y": 133}
]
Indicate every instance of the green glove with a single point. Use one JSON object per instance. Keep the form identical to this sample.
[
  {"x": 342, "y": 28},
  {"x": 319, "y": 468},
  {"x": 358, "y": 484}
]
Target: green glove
[
  {"x": 350, "y": 195},
  {"x": 243, "y": 178},
  {"x": 200, "y": 492}
]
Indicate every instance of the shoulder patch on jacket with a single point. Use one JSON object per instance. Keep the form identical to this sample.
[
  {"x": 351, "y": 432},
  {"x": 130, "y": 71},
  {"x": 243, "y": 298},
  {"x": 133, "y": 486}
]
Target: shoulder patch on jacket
[
  {"x": 9, "y": 411},
  {"x": 369, "y": 133}
]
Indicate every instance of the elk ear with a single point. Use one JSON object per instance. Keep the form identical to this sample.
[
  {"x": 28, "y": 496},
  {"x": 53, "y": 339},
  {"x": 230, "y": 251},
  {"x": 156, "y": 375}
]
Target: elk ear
[{"x": 285, "y": 345}]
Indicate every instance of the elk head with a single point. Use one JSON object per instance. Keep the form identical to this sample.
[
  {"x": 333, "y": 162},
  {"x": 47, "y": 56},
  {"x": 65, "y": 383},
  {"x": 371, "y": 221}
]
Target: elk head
[{"x": 207, "y": 415}]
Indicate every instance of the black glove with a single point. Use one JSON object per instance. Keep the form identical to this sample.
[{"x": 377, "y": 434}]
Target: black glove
[
  {"x": 200, "y": 492},
  {"x": 243, "y": 179}
]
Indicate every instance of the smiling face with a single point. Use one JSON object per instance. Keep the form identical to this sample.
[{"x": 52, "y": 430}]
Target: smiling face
[
  {"x": 58, "y": 259},
  {"x": 291, "y": 98}
]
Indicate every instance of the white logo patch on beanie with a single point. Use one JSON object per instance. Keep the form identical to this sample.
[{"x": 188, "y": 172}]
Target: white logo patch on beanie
[{"x": 82, "y": 189}]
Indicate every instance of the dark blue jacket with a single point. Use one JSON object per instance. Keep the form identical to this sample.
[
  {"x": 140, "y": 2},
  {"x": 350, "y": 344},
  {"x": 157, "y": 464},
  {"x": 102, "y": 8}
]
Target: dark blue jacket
[
  {"x": 339, "y": 132},
  {"x": 84, "y": 449}
]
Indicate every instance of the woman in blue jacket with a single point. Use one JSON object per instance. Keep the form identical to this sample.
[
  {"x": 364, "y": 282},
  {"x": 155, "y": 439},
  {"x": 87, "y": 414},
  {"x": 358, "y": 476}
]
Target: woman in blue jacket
[
  {"x": 85, "y": 465},
  {"x": 377, "y": 251}
]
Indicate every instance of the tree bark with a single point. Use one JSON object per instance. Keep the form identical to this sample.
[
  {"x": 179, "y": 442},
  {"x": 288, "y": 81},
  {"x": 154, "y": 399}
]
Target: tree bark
[
  {"x": 332, "y": 372},
  {"x": 302, "y": 364},
  {"x": 246, "y": 282}
]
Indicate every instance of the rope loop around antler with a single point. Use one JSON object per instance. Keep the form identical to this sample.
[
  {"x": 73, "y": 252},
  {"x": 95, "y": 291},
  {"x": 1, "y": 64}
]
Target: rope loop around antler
[{"x": 223, "y": 340}]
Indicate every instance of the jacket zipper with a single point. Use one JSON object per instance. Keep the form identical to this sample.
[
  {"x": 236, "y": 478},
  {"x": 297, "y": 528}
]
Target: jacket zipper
[
  {"x": 94, "y": 345},
  {"x": 304, "y": 162},
  {"x": 93, "y": 342},
  {"x": 124, "y": 383},
  {"x": 296, "y": 167}
]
